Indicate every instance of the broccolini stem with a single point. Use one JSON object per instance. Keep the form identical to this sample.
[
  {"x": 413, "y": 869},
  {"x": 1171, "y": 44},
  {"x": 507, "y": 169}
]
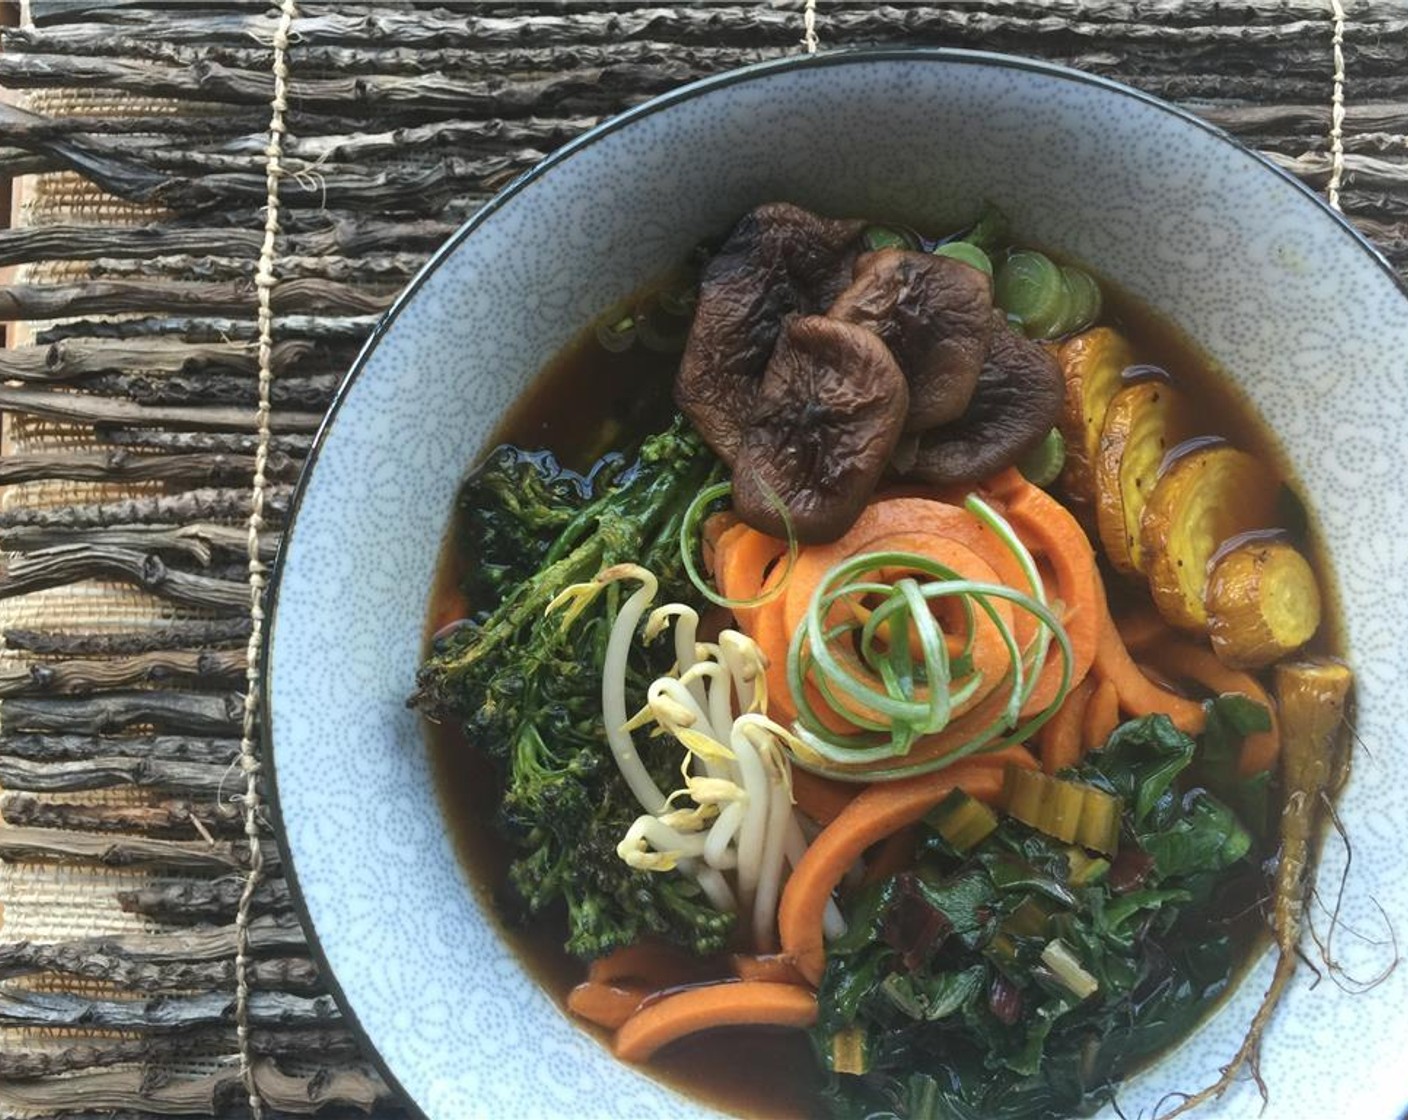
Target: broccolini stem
[{"x": 528, "y": 601}]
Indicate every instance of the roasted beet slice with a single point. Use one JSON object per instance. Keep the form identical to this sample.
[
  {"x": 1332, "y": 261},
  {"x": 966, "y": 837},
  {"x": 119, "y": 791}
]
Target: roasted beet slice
[
  {"x": 935, "y": 314},
  {"x": 823, "y": 425},
  {"x": 1017, "y": 401},
  {"x": 779, "y": 260}
]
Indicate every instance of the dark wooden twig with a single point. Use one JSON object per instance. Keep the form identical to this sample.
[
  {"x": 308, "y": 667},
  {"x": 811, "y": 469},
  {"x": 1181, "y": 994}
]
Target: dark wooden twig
[
  {"x": 586, "y": 90},
  {"x": 237, "y": 1111},
  {"x": 323, "y": 1044},
  {"x": 350, "y": 235},
  {"x": 393, "y": 268},
  {"x": 220, "y": 668},
  {"x": 198, "y": 542},
  {"x": 222, "y": 568},
  {"x": 171, "y": 820},
  {"x": 52, "y": 844},
  {"x": 102, "y": 773},
  {"x": 199, "y": 469},
  {"x": 161, "y": 509},
  {"x": 277, "y": 974},
  {"x": 110, "y": 297},
  {"x": 93, "y": 158},
  {"x": 198, "y": 713},
  {"x": 24, "y": 244},
  {"x": 188, "y": 634},
  {"x": 208, "y": 1094},
  {"x": 408, "y": 191},
  {"x": 203, "y": 900},
  {"x": 168, "y": 1013},
  {"x": 306, "y": 392},
  {"x": 73, "y": 358},
  {"x": 55, "y": 567},
  {"x": 206, "y": 328},
  {"x": 706, "y": 24},
  {"x": 84, "y": 408},
  {"x": 325, "y": 60},
  {"x": 276, "y": 933},
  {"x": 290, "y": 444},
  {"x": 77, "y": 748}
]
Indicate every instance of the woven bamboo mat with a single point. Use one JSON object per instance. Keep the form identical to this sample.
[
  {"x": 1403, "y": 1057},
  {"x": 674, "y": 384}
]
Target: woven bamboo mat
[{"x": 131, "y": 381}]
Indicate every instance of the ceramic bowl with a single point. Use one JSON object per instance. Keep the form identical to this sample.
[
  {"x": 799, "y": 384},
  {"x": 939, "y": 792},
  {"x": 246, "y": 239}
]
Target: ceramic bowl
[{"x": 1300, "y": 311}]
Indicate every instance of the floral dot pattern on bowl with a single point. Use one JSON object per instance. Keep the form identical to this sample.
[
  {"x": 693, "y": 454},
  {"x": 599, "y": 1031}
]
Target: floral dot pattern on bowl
[{"x": 1308, "y": 322}]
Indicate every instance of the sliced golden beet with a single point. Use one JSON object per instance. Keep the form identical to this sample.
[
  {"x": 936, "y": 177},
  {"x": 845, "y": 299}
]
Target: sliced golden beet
[
  {"x": 1263, "y": 603},
  {"x": 1203, "y": 498},
  {"x": 1142, "y": 422},
  {"x": 1091, "y": 363}
]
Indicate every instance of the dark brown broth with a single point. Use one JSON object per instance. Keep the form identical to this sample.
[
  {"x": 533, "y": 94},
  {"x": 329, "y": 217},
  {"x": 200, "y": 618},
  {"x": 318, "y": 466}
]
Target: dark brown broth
[
  {"x": 584, "y": 403},
  {"x": 581, "y": 406}
]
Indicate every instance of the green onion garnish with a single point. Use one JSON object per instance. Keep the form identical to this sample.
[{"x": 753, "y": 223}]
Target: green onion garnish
[
  {"x": 1030, "y": 286},
  {"x": 966, "y": 252},
  {"x": 863, "y": 669},
  {"x": 885, "y": 237},
  {"x": 689, "y": 533}
]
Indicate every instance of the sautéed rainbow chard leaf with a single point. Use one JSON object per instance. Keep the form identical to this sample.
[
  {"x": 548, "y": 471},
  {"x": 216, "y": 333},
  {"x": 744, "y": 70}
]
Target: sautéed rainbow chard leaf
[
  {"x": 527, "y": 691},
  {"x": 999, "y": 1019},
  {"x": 1231, "y": 719}
]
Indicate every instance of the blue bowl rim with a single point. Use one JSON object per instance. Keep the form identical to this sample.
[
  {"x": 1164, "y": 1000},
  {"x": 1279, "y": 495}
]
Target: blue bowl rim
[{"x": 943, "y": 55}]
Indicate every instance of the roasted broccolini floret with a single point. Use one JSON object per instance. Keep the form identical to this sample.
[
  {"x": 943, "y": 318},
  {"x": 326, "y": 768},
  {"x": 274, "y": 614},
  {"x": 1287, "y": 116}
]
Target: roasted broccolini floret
[{"x": 528, "y": 691}]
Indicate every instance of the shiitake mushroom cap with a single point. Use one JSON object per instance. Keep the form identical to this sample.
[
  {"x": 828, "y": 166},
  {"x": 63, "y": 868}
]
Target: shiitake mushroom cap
[
  {"x": 824, "y": 423},
  {"x": 779, "y": 259},
  {"x": 1017, "y": 401},
  {"x": 935, "y": 315}
]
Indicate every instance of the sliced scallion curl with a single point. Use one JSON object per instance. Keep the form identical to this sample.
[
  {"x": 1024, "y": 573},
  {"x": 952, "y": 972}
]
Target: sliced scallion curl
[
  {"x": 616, "y": 330},
  {"x": 990, "y": 231},
  {"x": 1083, "y": 297},
  {"x": 1042, "y": 465},
  {"x": 1030, "y": 286},
  {"x": 689, "y": 532},
  {"x": 681, "y": 300},
  {"x": 966, "y": 252},
  {"x": 887, "y": 237},
  {"x": 893, "y": 698},
  {"x": 660, "y": 329}
]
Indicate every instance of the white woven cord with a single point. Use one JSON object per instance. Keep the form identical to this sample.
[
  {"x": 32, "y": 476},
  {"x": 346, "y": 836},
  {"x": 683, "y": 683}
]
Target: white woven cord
[
  {"x": 1337, "y": 105},
  {"x": 249, "y": 759},
  {"x": 809, "y": 39}
]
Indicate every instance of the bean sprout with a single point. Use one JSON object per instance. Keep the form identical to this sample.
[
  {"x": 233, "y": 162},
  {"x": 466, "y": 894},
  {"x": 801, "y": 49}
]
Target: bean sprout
[{"x": 731, "y": 825}]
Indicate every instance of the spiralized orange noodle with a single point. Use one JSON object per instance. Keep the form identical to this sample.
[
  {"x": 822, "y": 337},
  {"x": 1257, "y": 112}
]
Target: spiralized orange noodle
[{"x": 863, "y": 661}]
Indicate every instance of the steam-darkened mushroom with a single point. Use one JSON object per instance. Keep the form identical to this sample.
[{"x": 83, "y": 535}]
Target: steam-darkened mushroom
[
  {"x": 935, "y": 314},
  {"x": 824, "y": 423},
  {"x": 1017, "y": 401},
  {"x": 779, "y": 260}
]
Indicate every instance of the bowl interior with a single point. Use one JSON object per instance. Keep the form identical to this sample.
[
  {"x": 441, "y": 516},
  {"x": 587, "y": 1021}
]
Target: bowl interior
[{"x": 1306, "y": 320}]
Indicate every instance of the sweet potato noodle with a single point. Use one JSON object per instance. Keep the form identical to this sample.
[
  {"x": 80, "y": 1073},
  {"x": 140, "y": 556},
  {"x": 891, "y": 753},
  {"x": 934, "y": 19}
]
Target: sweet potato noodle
[{"x": 911, "y": 719}]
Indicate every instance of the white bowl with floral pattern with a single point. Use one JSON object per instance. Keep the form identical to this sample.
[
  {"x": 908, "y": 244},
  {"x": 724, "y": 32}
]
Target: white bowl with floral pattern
[{"x": 1305, "y": 318}]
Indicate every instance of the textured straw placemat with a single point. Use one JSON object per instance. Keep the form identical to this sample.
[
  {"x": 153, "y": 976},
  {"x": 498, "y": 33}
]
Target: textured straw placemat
[{"x": 148, "y": 964}]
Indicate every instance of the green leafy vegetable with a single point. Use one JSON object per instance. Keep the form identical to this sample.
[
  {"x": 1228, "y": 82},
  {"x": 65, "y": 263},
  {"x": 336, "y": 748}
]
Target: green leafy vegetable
[
  {"x": 1029, "y": 286},
  {"x": 1140, "y": 762},
  {"x": 989, "y": 232},
  {"x": 1231, "y": 719},
  {"x": 1042, "y": 465},
  {"x": 528, "y": 691},
  {"x": 1052, "y": 982},
  {"x": 966, "y": 252},
  {"x": 886, "y": 237},
  {"x": 1083, "y": 301}
]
